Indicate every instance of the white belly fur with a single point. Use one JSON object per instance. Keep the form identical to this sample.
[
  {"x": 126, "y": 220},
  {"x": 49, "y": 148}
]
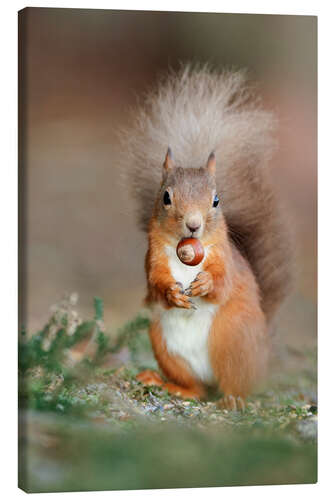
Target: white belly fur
[{"x": 186, "y": 331}]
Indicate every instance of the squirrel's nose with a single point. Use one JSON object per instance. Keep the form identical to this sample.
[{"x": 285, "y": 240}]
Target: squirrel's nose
[
  {"x": 193, "y": 227},
  {"x": 193, "y": 222}
]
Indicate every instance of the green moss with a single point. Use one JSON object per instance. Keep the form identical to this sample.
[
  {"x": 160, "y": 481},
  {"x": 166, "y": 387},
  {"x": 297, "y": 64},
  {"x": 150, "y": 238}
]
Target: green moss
[{"x": 93, "y": 426}]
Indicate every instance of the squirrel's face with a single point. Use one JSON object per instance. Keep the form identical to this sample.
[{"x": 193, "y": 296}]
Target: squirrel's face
[{"x": 188, "y": 204}]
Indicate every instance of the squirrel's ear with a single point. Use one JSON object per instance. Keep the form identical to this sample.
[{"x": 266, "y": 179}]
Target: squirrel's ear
[
  {"x": 211, "y": 164},
  {"x": 168, "y": 163}
]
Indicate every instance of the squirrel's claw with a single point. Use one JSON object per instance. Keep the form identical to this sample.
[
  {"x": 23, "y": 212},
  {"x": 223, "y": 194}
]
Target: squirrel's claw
[
  {"x": 180, "y": 286},
  {"x": 201, "y": 285},
  {"x": 176, "y": 297},
  {"x": 231, "y": 403}
]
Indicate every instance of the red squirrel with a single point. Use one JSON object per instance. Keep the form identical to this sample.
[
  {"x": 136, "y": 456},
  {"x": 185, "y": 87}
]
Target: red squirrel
[{"x": 210, "y": 322}]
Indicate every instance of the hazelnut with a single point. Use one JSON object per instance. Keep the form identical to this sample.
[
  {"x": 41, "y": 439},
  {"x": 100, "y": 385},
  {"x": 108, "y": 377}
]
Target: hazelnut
[{"x": 190, "y": 251}]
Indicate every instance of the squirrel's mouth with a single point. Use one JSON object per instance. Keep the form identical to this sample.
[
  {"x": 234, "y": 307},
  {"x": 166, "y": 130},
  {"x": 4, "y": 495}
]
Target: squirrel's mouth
[
  {"x": 193, "y": 224},
  {"x": 187, "y": 233}
]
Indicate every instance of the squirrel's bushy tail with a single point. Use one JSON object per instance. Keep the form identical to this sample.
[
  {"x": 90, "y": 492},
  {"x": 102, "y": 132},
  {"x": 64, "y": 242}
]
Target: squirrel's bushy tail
[{"x": 195, "y": 112}]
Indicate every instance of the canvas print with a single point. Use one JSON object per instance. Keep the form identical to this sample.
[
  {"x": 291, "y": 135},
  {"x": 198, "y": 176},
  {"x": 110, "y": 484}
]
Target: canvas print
[{"x": 167, "y": 234}]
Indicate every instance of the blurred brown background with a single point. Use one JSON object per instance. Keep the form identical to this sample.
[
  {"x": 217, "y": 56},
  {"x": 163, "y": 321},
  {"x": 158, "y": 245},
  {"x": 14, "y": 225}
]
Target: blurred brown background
[{"x": 82, "y": 71}]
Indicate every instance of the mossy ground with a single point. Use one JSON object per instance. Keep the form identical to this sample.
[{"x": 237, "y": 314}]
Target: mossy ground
[{"x": 86, "y": 426}]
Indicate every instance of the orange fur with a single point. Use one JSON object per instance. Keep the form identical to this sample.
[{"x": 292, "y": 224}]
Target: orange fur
[
  {"x": 238, "y": 340},
  {"x": 238, "y": 334},
  {"x": 149, "y": 377},
  {"x": 229, "y": 345},
  {"x": 161, "y": 285}
]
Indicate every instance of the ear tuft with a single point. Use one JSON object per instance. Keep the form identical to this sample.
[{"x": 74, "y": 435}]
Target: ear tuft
[
  {"x": 168, "y": 164},
  {"x": 211, "y": 163}
]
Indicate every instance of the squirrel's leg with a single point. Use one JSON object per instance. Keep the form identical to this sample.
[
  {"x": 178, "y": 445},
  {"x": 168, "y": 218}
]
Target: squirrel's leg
[
  {"x": 162, "y": 286},
  {"x": 238, "y": 350},
  {"x": 182, "y": 382}
]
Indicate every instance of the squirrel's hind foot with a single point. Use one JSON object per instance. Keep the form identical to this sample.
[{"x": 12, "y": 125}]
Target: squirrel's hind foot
[
  {"x": 149, "y": 377},
  {"x": 232, "y": 403}
]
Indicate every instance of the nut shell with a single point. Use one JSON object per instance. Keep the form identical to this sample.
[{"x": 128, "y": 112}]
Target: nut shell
[{"x": 190, "y": 251}]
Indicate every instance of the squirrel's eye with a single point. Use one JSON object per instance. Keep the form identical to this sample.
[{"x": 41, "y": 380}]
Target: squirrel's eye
[
  {"x": 166, "y": 198},
  {"x": 216, "y": 201}
]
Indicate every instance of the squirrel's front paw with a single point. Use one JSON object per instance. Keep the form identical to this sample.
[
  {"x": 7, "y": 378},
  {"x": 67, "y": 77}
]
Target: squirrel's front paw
[
  {"x": 176, "y": 297},
  {"x": 202, "y": 285}
]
